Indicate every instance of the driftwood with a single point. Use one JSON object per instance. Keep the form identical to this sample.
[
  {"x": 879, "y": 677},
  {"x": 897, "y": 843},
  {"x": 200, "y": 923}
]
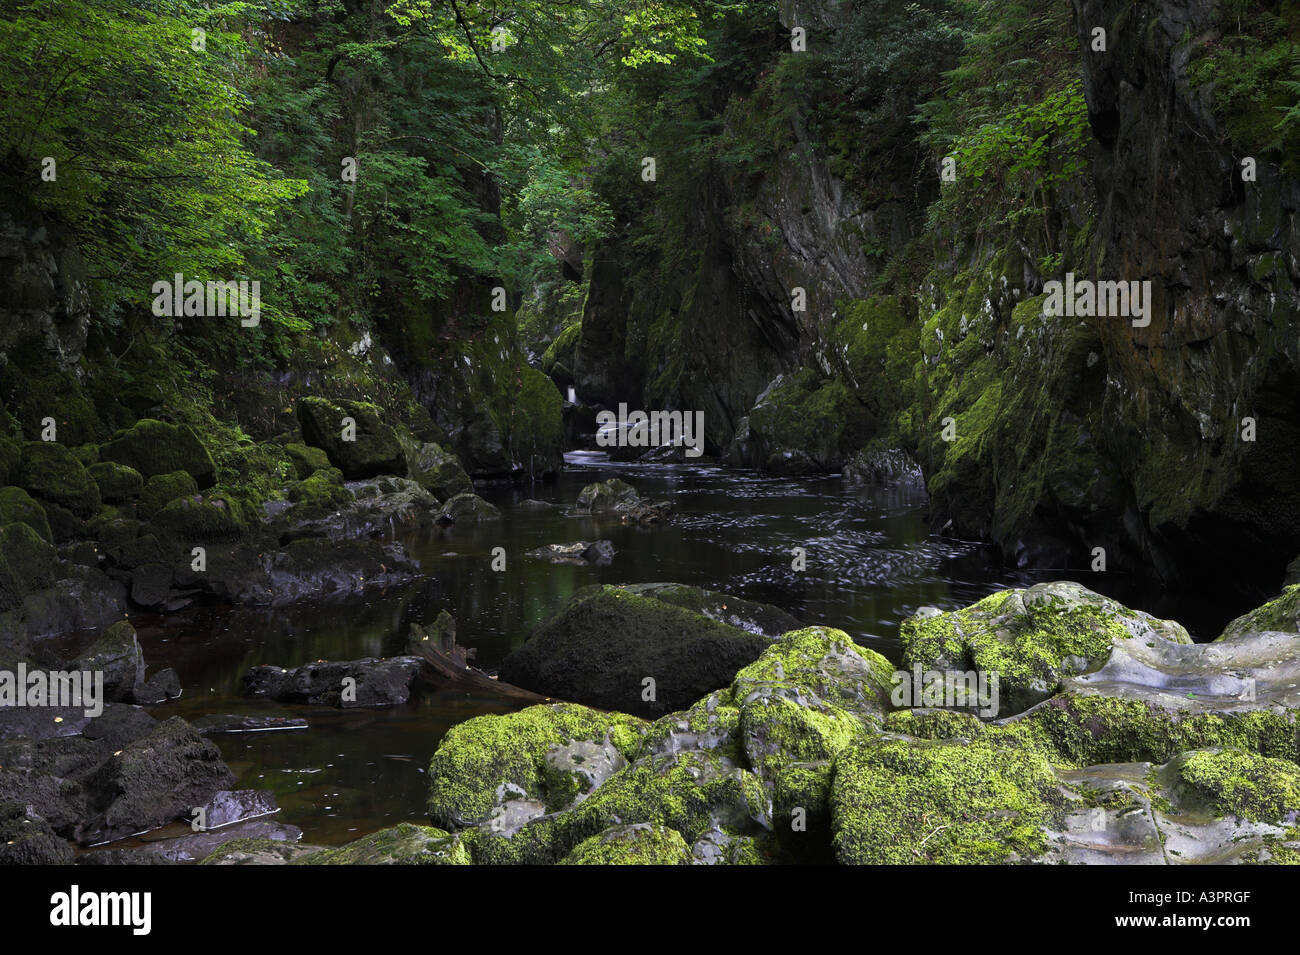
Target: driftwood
[{"x": 444, "y": 662}]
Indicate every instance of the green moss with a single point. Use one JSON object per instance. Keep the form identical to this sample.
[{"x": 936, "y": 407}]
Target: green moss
[
  {"x": 17, "y": 506},
  {"x": 821, "y": 418},
  {"x": 322, "y": 492},
  {"x": 156, "y": 447},
  {"x": 485, "y": 761},
  {"x": 27, "y": 563},
  {"x": 1240, "y": 784},
  {"x": 11, "y": 456},
  {"x": 934, "y": 724},
  {"x": 915, "y": 802},
  {"x": 1083, "y": 730},
  {"x": 632, "y": 845},
  {"x": 404, "y": 844},
  {"x": 117, "y": 482},
  {"x": 161, "y": 489},
  {"x": 535, "y": 426},
  {"x": 216, "y": 515},
  {"x": 253, "y": 851},
  {"x": 561, "y": 352},
  {"x": 52, "y": 472},
  {"x": 306, "y": 460},
  {"x": 1281, "y": 613}
]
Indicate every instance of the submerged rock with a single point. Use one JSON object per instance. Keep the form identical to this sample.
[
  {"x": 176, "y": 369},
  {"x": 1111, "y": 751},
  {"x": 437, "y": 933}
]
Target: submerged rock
[
  {"x": 618, "y": 497},
  {"x": 367, "y": 682},
  {"x": 600, "y": 553},
  {"x": 468, "y": 509}
]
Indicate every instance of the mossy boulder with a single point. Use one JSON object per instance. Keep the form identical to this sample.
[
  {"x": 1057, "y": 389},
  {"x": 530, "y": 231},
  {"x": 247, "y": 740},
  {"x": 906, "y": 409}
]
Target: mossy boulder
[
  {"x": 258, "y": 852},
  {"x": 558, "y": 359},
  {"x": 1236, "y": 783},
  {"x": 27, "y": 563},
  {"x": 118, "y": 656},
  {"x": 51, "y": 472},
  {"x": 157, "y": 447},
  {"x": 468, "y": 509},
  {"x": 486, "y": 763},
  {"x": 16, "y": 506},
  {"x": 306, "y": 459},
  {"x": 438, "y": 471},
  {"x": 1282, "y": 614},
  {"x": 909, "y": 802},
  {"x": 353, "y": 436},
  {"x": 1031, "y": 639},
  {"x": 602, "y": 497},
  {"x": 639, "y": 844},
  {"x": 404, "y": 844},
  {"x": 602, "y": 646},
  {"x": 117, "y": 483},
  {"x": 161, "y": 489},
  {"x": 203, "y": 518},
  {"x": 321, "y": 492}
]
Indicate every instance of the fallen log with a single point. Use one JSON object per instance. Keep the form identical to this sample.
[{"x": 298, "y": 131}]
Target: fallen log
[{"x": 445, "y": 662}]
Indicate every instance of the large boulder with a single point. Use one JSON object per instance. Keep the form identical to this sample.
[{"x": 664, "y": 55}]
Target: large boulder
[
  {"x": 1030, "y": 639},
  {"x": 157, "y": 447},
  {"x": 365, "y": 447},
  {"x": 437, "y": 470},
  {"x": 605, "y": 643},
  {"x": 52, "y": 473},
  {"x": 17, "y": 506}
]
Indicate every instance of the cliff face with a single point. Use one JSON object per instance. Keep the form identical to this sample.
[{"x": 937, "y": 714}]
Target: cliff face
[{"x": 1071, "y": 433}]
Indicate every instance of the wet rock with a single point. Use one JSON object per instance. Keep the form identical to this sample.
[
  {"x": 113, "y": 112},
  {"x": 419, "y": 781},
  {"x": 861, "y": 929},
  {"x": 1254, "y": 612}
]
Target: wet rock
[
  {"x": 605, "y": 642},
  {"x": 749, "y": 615},
  {"x": 375, "y": 449},
  {"x": 151, "y": 781},
  {"x": 884, "y": 467},
  {"x": 162, "y": 847},
  {"x": 28, "y": 839},
  {"x": 156, "y": 447},
  {"x": 600, "y": 553},
  {"x": 438, "y": 471},
  {"x": 370, "y": 682},
  {"x": 1032, "y": 639},
  {"x": 228, "y": 807},
  {"x": 160, "y": 687},
  {"x": 217, "y": 723},
  {"x": 258, "y": 852},
  {"x": 619, "y": 497},
  {"x": 468, "y": 509},
  {"x": 118, "y": 656}
]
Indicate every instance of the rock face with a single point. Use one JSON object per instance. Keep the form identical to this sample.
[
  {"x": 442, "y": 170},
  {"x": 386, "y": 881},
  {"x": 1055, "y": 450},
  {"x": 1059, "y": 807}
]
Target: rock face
[{"x": 603, "y": 645}]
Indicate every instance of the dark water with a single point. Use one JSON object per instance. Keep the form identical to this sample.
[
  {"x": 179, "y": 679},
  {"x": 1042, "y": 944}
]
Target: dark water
[{"x": 871, "y": 562}]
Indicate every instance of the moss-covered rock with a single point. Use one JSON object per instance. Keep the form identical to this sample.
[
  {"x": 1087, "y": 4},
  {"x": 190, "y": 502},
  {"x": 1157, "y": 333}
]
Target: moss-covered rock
[
  {"x": 1282, "y": 613},
  {"x": 640, "y": 844},
  {"x": 1031, "y": 639},
  {"x": 1229, "y": 782},
  {"x": 51, "y": 472},
  {"x": 468, "y": 509},
  {"x": 367, "y": 447},
  {"x": 601, "y": 497},
  {"x": 156, "y": 447},
  {"x": 161, "y": 489},
  {"x": 485, "y": 763},
  {"x": 908, "y": 802},
  {"x": 257, "y": 852},
  {"x": 558, "y": 359},
  {"x": 202, "y": 518},
  {"x": 117, "y": 483},
  {"x": 27, "y": 563},
  {"x": 306, "y": 459},
  {"x": 404, "y": 844},
  {"x": 438, "y": 471},
  {"x": 321, "y": 492},
  {"x": 16, "y": 506},
  {"x": 11, "y": 456},
  {"x": 802, "y": 423}
]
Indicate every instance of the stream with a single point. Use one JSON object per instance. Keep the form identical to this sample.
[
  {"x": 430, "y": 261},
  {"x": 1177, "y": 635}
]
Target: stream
[{"x": 871, "y": 562}]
